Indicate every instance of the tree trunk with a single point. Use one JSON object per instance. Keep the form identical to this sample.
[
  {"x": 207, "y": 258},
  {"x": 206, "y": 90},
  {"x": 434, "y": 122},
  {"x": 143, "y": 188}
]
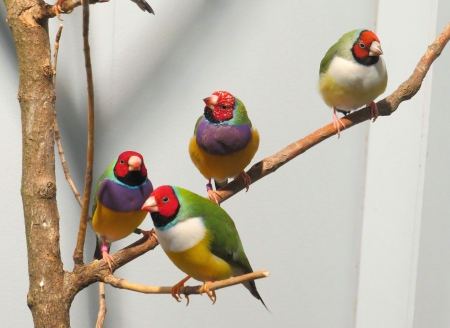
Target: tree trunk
[{"x": 48, "y": 298}]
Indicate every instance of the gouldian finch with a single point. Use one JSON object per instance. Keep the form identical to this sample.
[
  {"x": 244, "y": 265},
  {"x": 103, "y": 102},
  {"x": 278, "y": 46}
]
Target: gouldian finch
[
  {"x": 352, "y": 74},
  {"x": 58, "y": 8},
  {"x": 224, "y": 141},
  {"x": 199, "y": 237},
  {"x": 118, "y": 198}
]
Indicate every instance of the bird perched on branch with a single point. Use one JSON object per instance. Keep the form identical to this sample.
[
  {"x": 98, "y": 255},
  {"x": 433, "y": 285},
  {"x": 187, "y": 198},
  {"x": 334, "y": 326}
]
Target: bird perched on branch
[
  {"x": 199, "y": 237},
  {"x": 224, "y": 141},
  {"x": 58, "y": 7},
  {"x": 352, "y": 74},
  {"x": 118, "y": 198}
]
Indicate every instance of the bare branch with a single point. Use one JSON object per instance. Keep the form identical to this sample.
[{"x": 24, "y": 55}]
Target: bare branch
[
  {"x": 188, "y": 290},
  {"x": 55, "y": 52},
  {"x": 78, "y": 253},
  {"x": 102, "y": 310},
  {"x": 386, "y": 107},
  {"x": 56, "y": 127}
]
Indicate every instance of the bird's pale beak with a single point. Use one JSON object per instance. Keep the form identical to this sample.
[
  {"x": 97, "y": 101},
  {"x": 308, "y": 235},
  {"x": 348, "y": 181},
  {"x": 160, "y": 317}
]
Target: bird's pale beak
[
  {"x": 211, "y": 101},
  {"x": 375, "y": 49},
  {"x": 134, "y": 163},
  {"x": 150, "y": 205}
]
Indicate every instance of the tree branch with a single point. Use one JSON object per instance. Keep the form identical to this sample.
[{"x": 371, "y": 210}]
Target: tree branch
[
  {"x": 78, "y": 253},
  {"x": 56, "y": 127},
  {"x": 187, "y": 290},
  {"x": 386, "y": 107},
  {"x": 102, "y": 301}
]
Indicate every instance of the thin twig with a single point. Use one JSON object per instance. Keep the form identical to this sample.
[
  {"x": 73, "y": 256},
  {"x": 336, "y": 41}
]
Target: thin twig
[
  {"x": 56, "y": 126},
  {"x": 78, "y": 253},
  {"x": 386, "y": 107},
  {"x": 188, "y": 290},
  {"x": 55, "y": 52},
  {"x": 102, "y": 310}
]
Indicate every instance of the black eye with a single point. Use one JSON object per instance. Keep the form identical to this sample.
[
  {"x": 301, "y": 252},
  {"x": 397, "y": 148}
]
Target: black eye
[
  {"x": 165, "y": 199},
  {"x": 361, "y": 45},
  {"x": 224, "y": 106},
  {"x": 122, "y": 162}
]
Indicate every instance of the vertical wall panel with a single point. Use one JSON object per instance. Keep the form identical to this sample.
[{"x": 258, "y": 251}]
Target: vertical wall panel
[{"x": 395, "y": 174}]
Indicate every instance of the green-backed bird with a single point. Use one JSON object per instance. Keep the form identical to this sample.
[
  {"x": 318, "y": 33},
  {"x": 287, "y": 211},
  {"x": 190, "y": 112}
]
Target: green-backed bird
[
  {"x": 224, "y": 141},
  {"x": 352, "y": 74},
  {"x": 118, "y": 197},
  {"x": 199, "y": 237}
]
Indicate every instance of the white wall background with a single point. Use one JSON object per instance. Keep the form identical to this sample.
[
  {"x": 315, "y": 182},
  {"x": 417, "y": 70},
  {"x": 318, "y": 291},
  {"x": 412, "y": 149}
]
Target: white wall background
[{"x": 355, "y": 232}]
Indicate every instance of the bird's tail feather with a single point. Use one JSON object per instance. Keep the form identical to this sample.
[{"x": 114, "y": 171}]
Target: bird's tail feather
[
  {"x": 251, "y": 286},
  {"x": 144, "y": 6}
]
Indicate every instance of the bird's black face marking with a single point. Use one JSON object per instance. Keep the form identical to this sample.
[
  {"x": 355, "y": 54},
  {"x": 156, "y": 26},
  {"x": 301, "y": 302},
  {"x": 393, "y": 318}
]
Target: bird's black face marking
[
  {"x": 133, "y": 178},
  {"x": 209, "y": 115},
  {"x": 366, "y": 61},
  {"x": 160, "y": 220}
]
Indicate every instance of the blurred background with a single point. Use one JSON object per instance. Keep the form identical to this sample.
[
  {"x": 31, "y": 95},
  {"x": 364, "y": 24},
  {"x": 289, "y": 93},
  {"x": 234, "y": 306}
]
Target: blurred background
[{"x": 355, "y": 232}]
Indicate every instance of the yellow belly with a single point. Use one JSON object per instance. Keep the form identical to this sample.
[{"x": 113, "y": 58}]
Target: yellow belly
[
  {"x": 336, "y": 95},
  {"x": 199, "y": 263},
  {"x": 115, "y": 225},
  {"x": 223, "y": 167}
]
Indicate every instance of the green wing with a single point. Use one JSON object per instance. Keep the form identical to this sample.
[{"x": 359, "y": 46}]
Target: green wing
[
  {"x": 342, "y": 48},
  {"x": 225, "y": 241},
  {"x": 326, "y": 61},
  {"x": 196, "y": 125},
  {"x": 109, "y": 173}
]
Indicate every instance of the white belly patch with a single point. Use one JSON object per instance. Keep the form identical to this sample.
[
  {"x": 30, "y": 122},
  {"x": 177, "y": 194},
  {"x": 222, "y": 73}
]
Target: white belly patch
[{"x": 183, "y": 235}]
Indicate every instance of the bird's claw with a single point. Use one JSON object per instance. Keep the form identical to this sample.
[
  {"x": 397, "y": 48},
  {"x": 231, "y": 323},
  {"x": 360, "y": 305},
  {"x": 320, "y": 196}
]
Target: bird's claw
[
  {"x": 58, "y": 9},
  {"x": 373, "y": 111},
  {"x": 246, "y": 178},
  {"x": 108, "y": 259},
  {"x": 176, "y": 294},
  {"x": 336, "y": 122},
  {"x": 211, "y": 293},
  {"x": 214, "y": 196}
]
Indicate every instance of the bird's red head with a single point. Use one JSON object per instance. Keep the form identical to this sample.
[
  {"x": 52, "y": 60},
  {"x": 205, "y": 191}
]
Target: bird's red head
[
  {"x": 130, "y": 168},
  {"x": 163, "y": 206},
  {"x": 219, "y": 106},
  {"x": 367, "y": 45}
]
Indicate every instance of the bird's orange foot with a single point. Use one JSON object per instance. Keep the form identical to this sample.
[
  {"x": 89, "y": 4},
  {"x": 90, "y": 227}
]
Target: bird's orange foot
[
  {"x": 373, "y": 111},
  {"x": 106, "y": 257},
  {"x": 246, "y": 179},
  {"x": 176, "y": 290},
  {"x": 58, "y": 9},
  {"x": 205, "y": 289},
  {"x": 212, "y": 194},
  {"x": 336, "y": 122}
]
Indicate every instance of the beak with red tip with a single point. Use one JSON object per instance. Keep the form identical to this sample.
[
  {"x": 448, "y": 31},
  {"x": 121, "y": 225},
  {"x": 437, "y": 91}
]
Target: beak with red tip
[
  {"x": 211, "y": 101},
  {"x": 150, "y": 205},
  {"x": 134, "y": 163},
  {"x": 375, "y": 49}
]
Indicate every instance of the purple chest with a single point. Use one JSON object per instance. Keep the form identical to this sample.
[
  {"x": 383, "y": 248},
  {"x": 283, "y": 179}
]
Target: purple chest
[
  {"x": 222, "y": 139},
  {"x": 121, "y": 198}
]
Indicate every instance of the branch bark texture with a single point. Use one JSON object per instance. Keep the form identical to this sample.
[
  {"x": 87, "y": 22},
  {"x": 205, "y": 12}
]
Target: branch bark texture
[{"x": 37, "y": 101}]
